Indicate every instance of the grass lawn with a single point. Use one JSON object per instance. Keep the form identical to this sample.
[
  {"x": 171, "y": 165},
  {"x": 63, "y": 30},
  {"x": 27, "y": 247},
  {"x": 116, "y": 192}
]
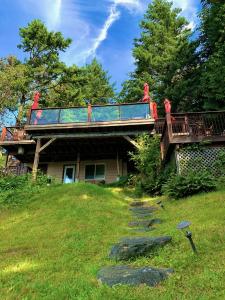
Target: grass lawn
[{"x": 52, "y": 246}]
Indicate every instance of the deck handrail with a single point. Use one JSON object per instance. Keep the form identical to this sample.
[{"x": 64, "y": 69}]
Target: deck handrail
[
  {"x": 194, "y": 126},
  {"x": 86, "y": 114}
]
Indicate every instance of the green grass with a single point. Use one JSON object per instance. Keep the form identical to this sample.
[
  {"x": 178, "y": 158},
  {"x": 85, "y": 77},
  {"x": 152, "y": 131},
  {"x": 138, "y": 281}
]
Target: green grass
[{"x": 52, "y": 246}]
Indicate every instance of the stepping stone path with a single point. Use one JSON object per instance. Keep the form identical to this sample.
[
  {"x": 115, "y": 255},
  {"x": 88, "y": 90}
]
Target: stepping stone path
[
  {"x": 132, "y": 276},
  {"x": 133, "y": 247},
  {"x": 143, "y": 212},
  {"x": 145, "y": 223},
  {"x": 130, "y": 248}
]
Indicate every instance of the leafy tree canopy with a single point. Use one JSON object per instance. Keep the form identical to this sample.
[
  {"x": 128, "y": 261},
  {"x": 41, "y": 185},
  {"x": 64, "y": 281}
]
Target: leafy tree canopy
[
  {"x": 212, "y": 39},
  {"x": 43, "y": 71},
  {"x": 161, "y": 54}
]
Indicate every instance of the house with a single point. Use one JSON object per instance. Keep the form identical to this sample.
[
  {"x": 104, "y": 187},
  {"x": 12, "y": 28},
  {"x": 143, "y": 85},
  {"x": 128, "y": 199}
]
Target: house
[{"x": 79, "y": 143}]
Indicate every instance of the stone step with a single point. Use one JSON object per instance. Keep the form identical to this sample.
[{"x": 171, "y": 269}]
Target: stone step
[
  {"x": 145, "y": 223},
  {"x": 143, "y": 209},
  {"x": 126, "y": 275},
  {"x": 137, "y": 203},
  {"x": 143, "y": 215},
  {"x": 129, "y": 248}
]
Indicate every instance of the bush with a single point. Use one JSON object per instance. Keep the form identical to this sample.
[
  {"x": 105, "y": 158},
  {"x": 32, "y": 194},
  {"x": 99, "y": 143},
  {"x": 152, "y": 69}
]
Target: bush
[
  {"x": 147, "y": 160},
  {"x": 16, "y": 189},
  {"x": 123, "y": 181},
  {"x": 182, "y": 186}
]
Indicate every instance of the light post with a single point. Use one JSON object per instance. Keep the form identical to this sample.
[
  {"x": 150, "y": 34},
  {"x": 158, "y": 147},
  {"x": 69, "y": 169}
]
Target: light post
[{"x": 184, "y": 226}]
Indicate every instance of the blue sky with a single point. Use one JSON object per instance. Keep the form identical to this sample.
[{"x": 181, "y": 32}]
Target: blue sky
[{"x": 99, "y": 28}]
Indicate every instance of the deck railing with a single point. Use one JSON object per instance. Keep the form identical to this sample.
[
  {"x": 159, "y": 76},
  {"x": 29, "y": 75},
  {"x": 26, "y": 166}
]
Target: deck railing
[
  {"x": 106, "y": 113},
  {"x": 199, "y": 124},
  {"x": 192, "y": 127},
  {"x": 13, "y": 133},
  {"x": 14, "y": 170}
]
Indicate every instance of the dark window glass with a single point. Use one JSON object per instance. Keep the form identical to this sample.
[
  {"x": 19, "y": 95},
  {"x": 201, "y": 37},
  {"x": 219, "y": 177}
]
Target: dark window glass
[
  {"x": 100, "y": 172},
  {"x": 90, "y": 172}
]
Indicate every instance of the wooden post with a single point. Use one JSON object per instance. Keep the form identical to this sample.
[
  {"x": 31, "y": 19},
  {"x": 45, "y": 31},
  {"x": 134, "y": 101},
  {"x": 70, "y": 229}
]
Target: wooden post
[
  {"x": 118, "y": 165},
  {"x": 89, "y": 112},
  {"x": 77, "y": 177},
  {"x": 169, "y": 126},
  {"x": 28, "y": 116},
  {"x": 7, "y": 160},
  {"x": 36, "y": 160}
]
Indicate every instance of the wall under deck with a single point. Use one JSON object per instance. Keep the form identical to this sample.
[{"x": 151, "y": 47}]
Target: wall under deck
[{"x": 55, "y": 169}]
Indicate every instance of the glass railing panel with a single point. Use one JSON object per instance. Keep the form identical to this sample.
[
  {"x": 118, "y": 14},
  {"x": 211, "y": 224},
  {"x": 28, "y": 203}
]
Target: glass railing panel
[
  {"x": 73, "y": 115},
  {"x": 134, "y": 111},
  {"x": 44, "y": 116},
  {"x": 105, "y": 113}
]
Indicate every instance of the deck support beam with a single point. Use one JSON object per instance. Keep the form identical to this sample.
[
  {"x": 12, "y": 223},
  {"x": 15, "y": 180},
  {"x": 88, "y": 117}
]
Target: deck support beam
[
  {"x": 77, "y": 178},
  {"x": 130, "y": 140},
  {"x": 118, "y": 165},
  {"x": 36, "y": 160},
  {"x": 38, "y": 150},
  {"x": 47, "y": 144}
]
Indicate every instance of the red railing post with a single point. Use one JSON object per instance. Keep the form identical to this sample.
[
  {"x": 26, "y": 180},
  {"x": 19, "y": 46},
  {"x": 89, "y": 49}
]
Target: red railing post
[{"x": 4, "y": 133}]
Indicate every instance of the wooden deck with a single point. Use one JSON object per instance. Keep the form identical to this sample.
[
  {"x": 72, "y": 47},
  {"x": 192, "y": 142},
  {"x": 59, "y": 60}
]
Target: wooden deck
[{"x": 190, "y": 128}]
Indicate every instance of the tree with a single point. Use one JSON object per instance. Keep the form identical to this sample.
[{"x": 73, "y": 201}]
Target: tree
[
  {"x": 43, "y": 71},
  {"x": 212, "y": 39},
  {"x": 19, "y": 80},
  {"x": 14, "y": 86},
  {"x": 77, "y": 86},
  {"x": 163, "y": 55},
  {"x": 43, "y": 49},
  {"x": 97, "y": 89}
]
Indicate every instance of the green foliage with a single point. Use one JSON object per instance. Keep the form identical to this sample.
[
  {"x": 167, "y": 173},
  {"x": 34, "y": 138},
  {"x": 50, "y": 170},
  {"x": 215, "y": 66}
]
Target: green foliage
[
  {"x": 212, "y": 39},
  {"x": 164, "y": 56},
  {"x": 180, "y": 186},
  {"x": 17, "y": 189},
  {"x": 2, "y": 158},
  {"x": 76, "y": 86},
  {"x": 43, "y": 71},
  {"x": 147, "y": 160},
  {"x": 122, "y": 182},
  {"x": 53, "y": 247}
]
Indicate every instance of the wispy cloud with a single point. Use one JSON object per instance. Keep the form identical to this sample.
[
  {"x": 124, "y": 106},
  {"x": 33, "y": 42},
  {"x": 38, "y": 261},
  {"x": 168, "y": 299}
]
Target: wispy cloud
[
  {"x": 189, "y": 11},
  {"x": 114, "y": 14},
  {"x": 53, "y": 10}
]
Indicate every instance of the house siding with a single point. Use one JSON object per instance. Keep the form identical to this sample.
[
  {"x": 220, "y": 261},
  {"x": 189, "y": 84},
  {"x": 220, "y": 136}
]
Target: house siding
[{"x": 56, "y": 169}]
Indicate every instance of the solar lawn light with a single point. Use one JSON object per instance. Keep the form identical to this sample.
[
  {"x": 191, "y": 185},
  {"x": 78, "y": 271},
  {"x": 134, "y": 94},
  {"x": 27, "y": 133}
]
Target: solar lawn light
[
  {"x": 160, "y": 204},
  {"x": 184, "y": 226}
]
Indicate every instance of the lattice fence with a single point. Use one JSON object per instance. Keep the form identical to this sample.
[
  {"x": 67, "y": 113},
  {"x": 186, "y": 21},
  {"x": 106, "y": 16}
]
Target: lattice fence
[{"x": 197, "y": 160}]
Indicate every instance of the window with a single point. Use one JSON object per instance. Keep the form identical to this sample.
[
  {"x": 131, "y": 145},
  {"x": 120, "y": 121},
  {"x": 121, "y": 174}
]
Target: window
[
  {"x": 69, "y": 174},
  {"x": 96, "y": 171}
]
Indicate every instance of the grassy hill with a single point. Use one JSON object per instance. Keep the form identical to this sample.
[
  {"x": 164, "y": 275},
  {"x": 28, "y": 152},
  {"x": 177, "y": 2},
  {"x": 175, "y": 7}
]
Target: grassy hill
[{"x": 52, "y": 246}]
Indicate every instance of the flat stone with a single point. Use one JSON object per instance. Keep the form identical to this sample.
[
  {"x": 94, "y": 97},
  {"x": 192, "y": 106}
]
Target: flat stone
[
  {"x": 118, "y": 275},
  {"x": 137, "y": 203},
  {"x": 143, "y": 215},
  {"x": 143, "y": 209},
  {"x": 129, "y": 248},
  {"x": 145, "y": 223}
]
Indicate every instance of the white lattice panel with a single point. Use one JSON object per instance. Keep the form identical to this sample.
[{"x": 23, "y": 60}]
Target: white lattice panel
[{"x": 197, "y": 160}]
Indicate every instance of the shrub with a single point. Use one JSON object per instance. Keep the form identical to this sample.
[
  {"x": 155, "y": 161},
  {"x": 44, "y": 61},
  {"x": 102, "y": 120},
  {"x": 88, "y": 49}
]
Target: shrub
[
  {"x": 17, "y": 189},
  {"x": 123, "y": 181},
  {"x": 147, "y": 160},
  {"x": 182, "y": 186}
]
